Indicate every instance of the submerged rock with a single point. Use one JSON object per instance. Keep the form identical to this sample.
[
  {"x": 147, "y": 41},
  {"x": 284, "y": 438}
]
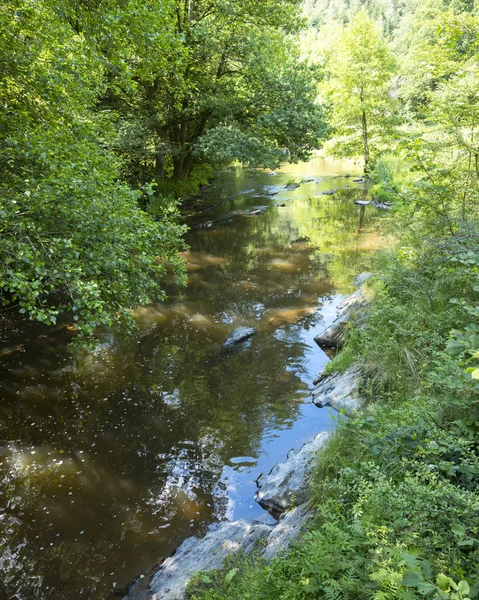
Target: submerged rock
[
  {"x": 205, "y": 554},
  {"x": 353, "y": 306},
  {"x": 287, "y": 529},
  {"x": 239, "y": 335},
  {"x": 287, "y": 483},
  {"x": 339, "y": 391}
]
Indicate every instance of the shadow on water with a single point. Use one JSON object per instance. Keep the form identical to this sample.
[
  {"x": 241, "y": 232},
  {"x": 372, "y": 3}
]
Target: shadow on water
[{"x": 109, "y": 459}]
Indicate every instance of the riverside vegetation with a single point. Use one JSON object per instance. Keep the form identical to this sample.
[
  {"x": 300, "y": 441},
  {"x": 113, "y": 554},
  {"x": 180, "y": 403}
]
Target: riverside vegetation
[
  {"x": 396, "y": 491},
  {"x": 127, "y": 118}
]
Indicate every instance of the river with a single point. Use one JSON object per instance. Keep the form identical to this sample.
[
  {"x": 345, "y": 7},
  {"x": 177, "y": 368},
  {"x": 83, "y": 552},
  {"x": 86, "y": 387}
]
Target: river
[{"x": 110, "y": 459}]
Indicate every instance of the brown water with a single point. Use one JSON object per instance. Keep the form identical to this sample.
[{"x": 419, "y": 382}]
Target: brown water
[{"x": 108, "y": 460}]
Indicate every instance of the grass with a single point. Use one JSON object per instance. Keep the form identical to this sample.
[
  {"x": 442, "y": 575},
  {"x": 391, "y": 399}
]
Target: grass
[{"x": 396, "y": 491}]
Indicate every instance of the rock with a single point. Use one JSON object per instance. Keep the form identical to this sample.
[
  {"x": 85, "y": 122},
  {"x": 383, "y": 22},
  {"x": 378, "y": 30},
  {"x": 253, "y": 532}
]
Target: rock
[
  {"x": 259, "y": 211},
  {"x": 239, "y": 335},
  {"x": 340, "y": 391},
  {"x": 360, "y": 180},
  {"x": 347, "y": 176},
  {"x": 353, "y": 305},
  {"x": 362, "y": 278},
  {"x": 301, "y": 240},
  {"x": 362, "y": 202},
  {"x": 287, "y": 529},
  {"x": 282, "y": 205},
  {"x": 171, "y": 579},
  {"x": 273, "y": 173},
  {"x": 292, "y": 186},
  {"x": 287, "y": 483},
  {"x": 382, "y": 205},
  {"x": 328, "y": 193}
]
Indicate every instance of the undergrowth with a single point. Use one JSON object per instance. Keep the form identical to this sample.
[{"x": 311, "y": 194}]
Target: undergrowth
[{"x": 396, "y": 490}]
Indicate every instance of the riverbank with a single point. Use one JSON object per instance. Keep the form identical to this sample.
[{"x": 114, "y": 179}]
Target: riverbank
[
  {"x": 395, "y": 491},
  {"x": 284, "y": 491},
  {"x": 154, "y": 437}
]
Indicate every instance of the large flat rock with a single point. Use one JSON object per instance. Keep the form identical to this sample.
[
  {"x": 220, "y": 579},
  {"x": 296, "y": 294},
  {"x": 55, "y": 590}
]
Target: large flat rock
[
  {"x": 287, "y": 483},
  {"x": 287, "y": 529},
  {"x": 339, "y": 390},
  {"x": 205, "y": 554},
  {"x": 352, "y": 307}
]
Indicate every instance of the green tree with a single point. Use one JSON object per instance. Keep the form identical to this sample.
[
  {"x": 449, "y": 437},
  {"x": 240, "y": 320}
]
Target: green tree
[
  {"x": 358, "y": 87},
  {"x": 72, "y": 235},
  {"x": 232, "y": 86}
]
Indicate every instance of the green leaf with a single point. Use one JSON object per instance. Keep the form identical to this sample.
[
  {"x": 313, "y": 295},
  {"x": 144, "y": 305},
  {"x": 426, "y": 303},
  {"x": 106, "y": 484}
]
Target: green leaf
[
  {"x": 443, "y": 582},
  {"x": 463, "y": 588},
  {"x": 458, "y": 530},
  {"x": 426, "y": 569},
  {"x": 231, "y": 573},
  {"x": 411, "y": 579},
  {"x": 426, "y": 588}
]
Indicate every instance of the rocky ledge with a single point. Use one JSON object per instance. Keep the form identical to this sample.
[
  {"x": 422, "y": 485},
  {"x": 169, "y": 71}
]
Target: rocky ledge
[
  {"x": 205, "y": 554},
  {"x": 287, "y": 484},
  {"x": 339, "y": 391},
  {"x": 352, "y": 308},
  {"x": 284, "y": 490}
]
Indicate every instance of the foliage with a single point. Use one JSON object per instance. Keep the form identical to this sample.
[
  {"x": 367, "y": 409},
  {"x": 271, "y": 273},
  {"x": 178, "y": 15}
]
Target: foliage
[
  {"x": 360, "y": 72},
  {"x": 222, "y": 82},
  {"x": 396, "y": 489},
  {"x": 73, "y": 237}
]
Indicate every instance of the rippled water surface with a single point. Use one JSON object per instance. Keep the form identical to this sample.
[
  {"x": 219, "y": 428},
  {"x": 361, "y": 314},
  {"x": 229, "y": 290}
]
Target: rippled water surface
[{"x": 108, "y": 460}]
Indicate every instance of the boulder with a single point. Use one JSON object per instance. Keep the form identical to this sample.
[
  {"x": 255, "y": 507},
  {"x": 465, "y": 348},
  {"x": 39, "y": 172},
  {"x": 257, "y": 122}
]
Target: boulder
[
  {"x": 239, "y": 335},
  {"x": 362, "y": 202},
  {"x": 353, "y": 306},
  {"x": 287, "y": 483},
  {"x": 339, "y": 390},
  {"x": 205, "y": 554},
  {"x": 286, "y": 530},
  {"x": 362, "y": 278}
]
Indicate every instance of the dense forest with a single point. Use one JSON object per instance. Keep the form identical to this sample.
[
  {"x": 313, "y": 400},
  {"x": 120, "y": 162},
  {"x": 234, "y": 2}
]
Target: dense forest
[
  {"x": 108, "y": 108},
  {"x": 114, "y": 111}
]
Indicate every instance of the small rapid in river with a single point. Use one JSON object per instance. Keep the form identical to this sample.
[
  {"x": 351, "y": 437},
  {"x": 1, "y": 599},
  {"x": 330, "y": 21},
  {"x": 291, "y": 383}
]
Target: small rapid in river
[{"x": 110, "y": 459}]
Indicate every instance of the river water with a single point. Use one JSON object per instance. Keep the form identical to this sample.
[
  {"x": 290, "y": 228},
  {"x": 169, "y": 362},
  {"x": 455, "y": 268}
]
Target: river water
[{"x": 110, "y": 459}]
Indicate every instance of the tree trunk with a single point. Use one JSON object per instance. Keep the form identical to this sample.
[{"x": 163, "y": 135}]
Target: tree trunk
[
  {"x": 365, "y": 141},
  {"x": 159, "y": 164},
  {"x": 178, "y": 167}
]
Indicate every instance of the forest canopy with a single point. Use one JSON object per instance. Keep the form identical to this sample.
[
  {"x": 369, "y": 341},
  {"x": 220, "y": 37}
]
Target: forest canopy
[{"x": 105, "y": 104}]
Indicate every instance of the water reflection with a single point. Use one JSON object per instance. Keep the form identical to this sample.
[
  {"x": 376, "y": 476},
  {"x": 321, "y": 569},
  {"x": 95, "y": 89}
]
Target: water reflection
[{"x": 109, "y": 459}]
